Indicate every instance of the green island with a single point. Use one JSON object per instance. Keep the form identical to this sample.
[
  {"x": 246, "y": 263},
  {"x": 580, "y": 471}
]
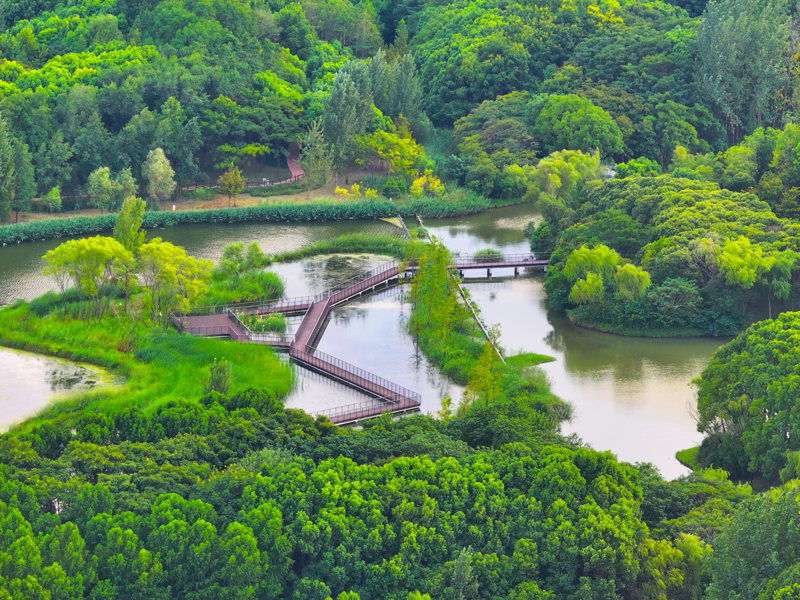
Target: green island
[{"x": 654, "y": 147}]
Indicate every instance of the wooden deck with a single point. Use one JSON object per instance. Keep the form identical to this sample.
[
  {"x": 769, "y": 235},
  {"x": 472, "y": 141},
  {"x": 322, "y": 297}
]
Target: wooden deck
[{"x": 223, "y": 322}]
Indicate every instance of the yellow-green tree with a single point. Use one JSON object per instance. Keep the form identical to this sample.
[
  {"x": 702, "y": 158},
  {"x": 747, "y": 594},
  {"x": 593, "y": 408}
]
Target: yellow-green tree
[
  {"x": 231, "y": 183},
  {"x": 172, "y": 279}
]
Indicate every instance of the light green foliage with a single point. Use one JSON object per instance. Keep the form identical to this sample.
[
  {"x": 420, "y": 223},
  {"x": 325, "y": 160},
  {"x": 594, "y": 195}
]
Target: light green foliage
[
  {"x": 558, "y": 183},
  {"x": 573, "y": 123},
  {"x": 106, "y": 193},
  {"x": 93, "y": 265},
  {"x": 741, "y": 263},
  {"x": 101, "y": 188},
  {"x": 231, "y": 183},
  {"x": 159, "y": 175},
  {"x": 52, "y": 200},
  {"x": 632, "y": 281},
  {"x": 172, "y": 279},
  {"x": 600, "y": 260},
  {"x": 700, "y": 245},
  {"x": 588, "y": 290},
  {"x": 239, "y": 277},
  {"x": 400, "y": 154},
  {"x": 128, "y": 224},
  {"x": 638, "y": 166}
]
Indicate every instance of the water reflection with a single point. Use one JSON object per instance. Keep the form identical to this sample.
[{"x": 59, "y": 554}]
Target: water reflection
[
  {"x": 21, "y": 265},
  {"x": 631, "y": 395}
]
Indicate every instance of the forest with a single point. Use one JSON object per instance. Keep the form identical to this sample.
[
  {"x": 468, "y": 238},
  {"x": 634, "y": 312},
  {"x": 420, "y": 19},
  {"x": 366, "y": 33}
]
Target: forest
[{"x": 657, "y": 140}]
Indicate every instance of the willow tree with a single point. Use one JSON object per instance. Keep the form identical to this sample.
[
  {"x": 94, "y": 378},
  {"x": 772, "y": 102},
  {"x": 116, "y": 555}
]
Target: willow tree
[
  {"x": 171, "y": 278},
  {"x": 94, "y": 266}
]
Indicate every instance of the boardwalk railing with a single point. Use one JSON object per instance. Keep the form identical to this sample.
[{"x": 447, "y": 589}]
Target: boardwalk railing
[
  {"x": 356, "y": 279},
  {"x": 216, "y": 331},
  {"x": 355, "y": 411},
  {"x": 499, "y": 259},
  {"x": 386, "y": 390},
  {"x": 262, "y": 337},
  {"x": 285, "y": 305}
]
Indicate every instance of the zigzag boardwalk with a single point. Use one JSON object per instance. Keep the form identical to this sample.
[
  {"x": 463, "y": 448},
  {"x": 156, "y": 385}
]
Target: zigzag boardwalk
[{"x": 223, "y": 322}]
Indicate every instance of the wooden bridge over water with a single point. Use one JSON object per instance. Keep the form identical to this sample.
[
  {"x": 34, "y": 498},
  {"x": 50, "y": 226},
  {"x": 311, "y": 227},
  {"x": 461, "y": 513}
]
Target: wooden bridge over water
[{"x": 222, "y": 321}]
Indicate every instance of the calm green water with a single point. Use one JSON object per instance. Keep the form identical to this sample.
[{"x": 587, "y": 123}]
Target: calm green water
[
  {"x": 28, "y": 382},
  {"x": 631, "y": 396}
]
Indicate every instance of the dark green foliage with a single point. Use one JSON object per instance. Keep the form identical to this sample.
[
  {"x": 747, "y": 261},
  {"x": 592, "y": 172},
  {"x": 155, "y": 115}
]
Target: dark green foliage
[
  {"x": 747, "y": 400},
  {"x": 752, "y": 554},
  {"x": 75, "y": 226}
]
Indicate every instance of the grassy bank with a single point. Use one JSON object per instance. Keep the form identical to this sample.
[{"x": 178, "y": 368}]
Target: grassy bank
[
  {"x": 509, "y": 396},
  {"x": 160, "y": 366},
  {"x": 459, "y": 202},
  {"x": 349, "y": 244}
]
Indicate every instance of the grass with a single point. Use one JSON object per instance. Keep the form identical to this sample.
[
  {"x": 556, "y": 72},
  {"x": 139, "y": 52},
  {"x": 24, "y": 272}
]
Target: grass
[
  {"x": 351, "y": 243},
  {"x": 164, "y": 366},
  {"x": 688, "y": 457},
  {"x": 528, "y": 359}
]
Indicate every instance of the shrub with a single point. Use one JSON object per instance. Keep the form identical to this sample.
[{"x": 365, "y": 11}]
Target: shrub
[{"x": 274, "y": 322}]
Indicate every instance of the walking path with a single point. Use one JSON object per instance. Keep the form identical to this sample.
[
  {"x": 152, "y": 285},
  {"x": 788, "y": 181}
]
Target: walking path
[{"x": 221, "y": 321}]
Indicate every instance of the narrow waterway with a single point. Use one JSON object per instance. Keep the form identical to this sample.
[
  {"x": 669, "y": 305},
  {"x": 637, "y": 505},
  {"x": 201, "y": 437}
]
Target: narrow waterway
[{"x": 631, "y": 396}]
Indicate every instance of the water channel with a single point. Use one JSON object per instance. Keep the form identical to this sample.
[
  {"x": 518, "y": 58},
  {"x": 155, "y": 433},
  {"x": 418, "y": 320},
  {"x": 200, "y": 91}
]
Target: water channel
[{"x": 631, "y": 396}]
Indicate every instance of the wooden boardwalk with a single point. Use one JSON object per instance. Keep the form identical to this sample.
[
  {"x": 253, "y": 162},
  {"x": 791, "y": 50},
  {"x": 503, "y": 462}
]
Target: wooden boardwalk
[{"x": 223, "y": 322}]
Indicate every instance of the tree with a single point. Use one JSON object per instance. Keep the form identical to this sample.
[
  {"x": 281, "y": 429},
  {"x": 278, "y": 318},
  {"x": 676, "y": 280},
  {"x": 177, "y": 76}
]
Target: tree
[
  {"x": 296, "y": 33},
  {"x": 101, "y": 188},
  {"x": 128, "y": 224},
  {"x": 747, "y": 396},
  {"x": 733, "y": 33},
  {"x": 179, "y": 137},
  {"x": 53, "y": 168},
  {"x": 173, "y": 280},
  {"x": 7, "y": 171},
  {"x": 231, "y": 183},
  {"x": 400, "y": 154},
  {"x": 219, "y": 378},
  {"x": 570, "y": 122},
  {"x": 315, "y": 157},
  {"x": 342, "y": 120},
  {"x": 558, "y": 182},
  {"x": 600, "y": 259},
  {"x": 632, "y": 281},
  {"x": 24, "y": 181},
  {"x": 84, "y": 130},
  {"x": 52, "y": 200},
  {"x": 589, "y": 290},
  {"x": 159, "y": 175},
  {"x": 93, "y": 265}
]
